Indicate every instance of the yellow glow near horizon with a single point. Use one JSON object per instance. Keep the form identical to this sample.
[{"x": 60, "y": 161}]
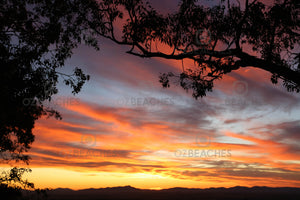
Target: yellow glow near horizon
[{"x": 62, "y": 178}]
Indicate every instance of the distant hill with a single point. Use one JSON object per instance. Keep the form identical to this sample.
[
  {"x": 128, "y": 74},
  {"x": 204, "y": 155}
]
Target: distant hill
[{"x": 131, "y": 193}]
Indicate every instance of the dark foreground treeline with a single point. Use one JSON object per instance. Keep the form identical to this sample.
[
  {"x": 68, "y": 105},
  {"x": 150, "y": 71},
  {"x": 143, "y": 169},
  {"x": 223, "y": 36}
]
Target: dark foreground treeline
[
  {"x": 130, "y": 193},
  {"x": 235, "y": 193}
]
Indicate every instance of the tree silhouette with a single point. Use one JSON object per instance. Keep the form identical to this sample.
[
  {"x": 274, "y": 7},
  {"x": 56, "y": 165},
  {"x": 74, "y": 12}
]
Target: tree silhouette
[
  {"x": 219, "y": 39},
  {"x": 13, "y": 186},
  {"x": 14, "y": 177},
  {"x": 36, "y": 37}
]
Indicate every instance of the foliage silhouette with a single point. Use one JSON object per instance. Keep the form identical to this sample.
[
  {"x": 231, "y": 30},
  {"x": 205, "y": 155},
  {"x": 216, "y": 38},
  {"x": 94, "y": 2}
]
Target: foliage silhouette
[
  {"x": 14, "y": 186},
  {"x": 36, "y": 37},
  {"x": 13, "y": 177},
  {"x": 249, "y": 35}
]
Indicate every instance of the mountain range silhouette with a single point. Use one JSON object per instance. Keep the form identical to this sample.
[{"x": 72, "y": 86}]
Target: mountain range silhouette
[{"x": 128, "y": 192}]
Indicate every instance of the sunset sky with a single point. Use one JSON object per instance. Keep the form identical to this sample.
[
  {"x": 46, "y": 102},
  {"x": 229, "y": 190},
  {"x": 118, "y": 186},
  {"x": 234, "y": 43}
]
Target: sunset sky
[{"x": 125, "y": 129}]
